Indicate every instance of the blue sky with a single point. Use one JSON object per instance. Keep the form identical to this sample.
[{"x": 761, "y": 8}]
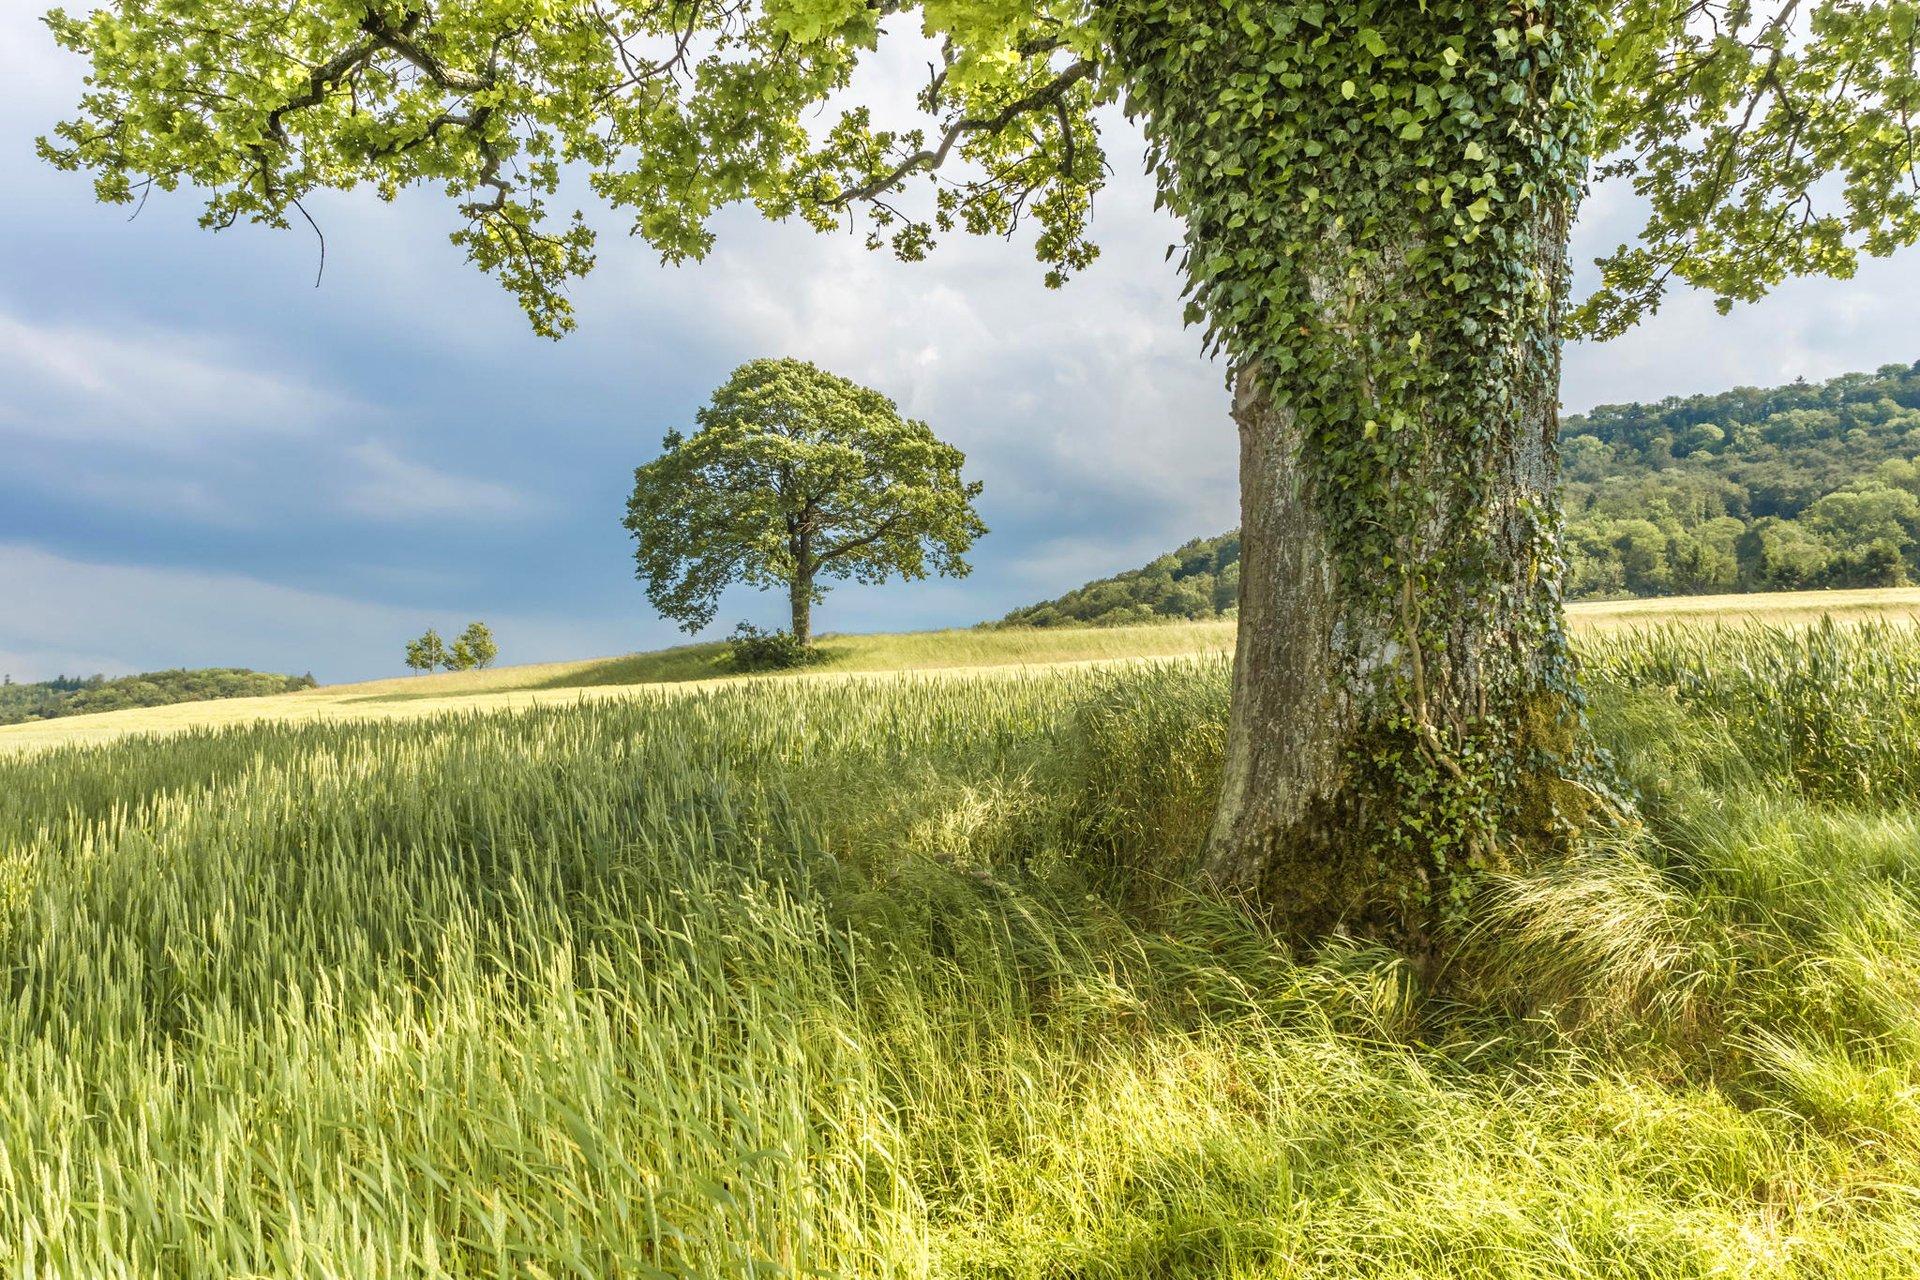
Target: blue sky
[{"x": 205, "y": 460}]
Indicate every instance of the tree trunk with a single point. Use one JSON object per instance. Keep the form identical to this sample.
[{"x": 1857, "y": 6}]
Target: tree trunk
[
  {"x": 801, "y": 597},
  {"x": 1377, "y": 199},
  {"x": 1399, "y": 728}
]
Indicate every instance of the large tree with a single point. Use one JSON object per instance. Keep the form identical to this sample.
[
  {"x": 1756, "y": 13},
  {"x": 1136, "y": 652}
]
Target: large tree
[
  {"x": 793, "y": 476},
  {"x": 1376, "y": 197}
]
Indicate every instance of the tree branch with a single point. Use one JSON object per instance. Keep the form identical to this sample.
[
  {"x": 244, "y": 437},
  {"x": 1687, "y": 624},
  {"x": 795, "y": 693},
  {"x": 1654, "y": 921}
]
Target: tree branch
[
  {"x": 866, "y": 540},
  {"x": 1049, "y": 94}
]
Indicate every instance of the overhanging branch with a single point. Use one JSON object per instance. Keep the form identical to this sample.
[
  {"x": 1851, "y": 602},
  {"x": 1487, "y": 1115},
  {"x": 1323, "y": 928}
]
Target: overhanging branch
[{"x": 1053, "y": 93}]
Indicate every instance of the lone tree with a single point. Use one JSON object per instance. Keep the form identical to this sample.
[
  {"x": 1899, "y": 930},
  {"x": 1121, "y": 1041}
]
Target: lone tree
[
  {"x": 1377, "y": 198},
  {"x": 794, "y": 476}
]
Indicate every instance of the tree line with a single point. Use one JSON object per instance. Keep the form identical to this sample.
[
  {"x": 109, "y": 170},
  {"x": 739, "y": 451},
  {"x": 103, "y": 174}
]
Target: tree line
[
  {"x": 1792, "y": 488},
  {"x": 82, "y": 695},
  {"x": 1805, "y": 486}
]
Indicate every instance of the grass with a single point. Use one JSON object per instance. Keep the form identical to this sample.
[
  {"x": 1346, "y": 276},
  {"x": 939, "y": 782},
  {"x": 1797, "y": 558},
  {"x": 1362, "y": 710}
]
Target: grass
[
  {"x": 1774, "y": 608},
  {"x": 882, "y": 976},
  {"x": 561, "y": 683}
]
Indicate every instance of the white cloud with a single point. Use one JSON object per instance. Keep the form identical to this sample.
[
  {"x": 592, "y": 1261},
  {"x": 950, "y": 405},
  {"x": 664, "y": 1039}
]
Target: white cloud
[
  {"x": 1087, "y": 410},
  {"x": 384, "y": 486},
  {"x": 120, "y": 618},
  {"x": 84, "y": 384}
]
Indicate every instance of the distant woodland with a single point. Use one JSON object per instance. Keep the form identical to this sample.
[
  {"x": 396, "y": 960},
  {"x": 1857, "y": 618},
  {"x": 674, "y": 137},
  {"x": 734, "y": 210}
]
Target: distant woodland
[
  {"x": 75, "y": 695},
  {"x": 1799, "y": 487}
]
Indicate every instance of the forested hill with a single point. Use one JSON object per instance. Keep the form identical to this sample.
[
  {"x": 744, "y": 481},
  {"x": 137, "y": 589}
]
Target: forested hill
[
  {"x": 1804, "y": 486},
  {"x": 1200, "y": 580},
  {"x": 73, "y": 696}
]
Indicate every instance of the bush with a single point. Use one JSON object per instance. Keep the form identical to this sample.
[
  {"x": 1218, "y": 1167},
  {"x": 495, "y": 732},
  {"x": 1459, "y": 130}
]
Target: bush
[{"x": 751, "y": 649}]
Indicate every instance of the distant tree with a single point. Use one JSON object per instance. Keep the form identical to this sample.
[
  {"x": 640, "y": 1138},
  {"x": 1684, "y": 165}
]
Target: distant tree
[
  {"x": 478, "y": 644},
  {"x": 794, "y": 476},
  {"x": 1867, "y": 515},
  {"x": 428, "y": 652},
  {"x": 460, "y": 657}
]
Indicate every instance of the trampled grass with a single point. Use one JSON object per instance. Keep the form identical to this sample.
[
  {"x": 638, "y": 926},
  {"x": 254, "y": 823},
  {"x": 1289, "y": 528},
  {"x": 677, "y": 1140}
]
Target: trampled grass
[{"x": 880, "y": 976}]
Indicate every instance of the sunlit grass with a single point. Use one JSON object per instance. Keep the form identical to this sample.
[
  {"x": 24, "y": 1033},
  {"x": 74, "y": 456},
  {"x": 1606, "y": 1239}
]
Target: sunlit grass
[
  {"x": 875, "y": 975},
  {"x": 932, "y": 651}
]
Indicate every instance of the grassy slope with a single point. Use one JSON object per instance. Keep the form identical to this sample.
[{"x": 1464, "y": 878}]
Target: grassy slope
[
  {"x": 568, "y": 682},
  {"x": 767, "y": 980}
]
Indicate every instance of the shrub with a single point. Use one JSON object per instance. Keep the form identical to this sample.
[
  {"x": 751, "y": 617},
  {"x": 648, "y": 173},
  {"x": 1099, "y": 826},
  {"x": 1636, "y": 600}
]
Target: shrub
[{"x": 751, "y": 649}]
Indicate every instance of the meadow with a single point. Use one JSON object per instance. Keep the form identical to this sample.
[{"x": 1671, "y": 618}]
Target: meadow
[
  {"x": 876, "y": 975},
  {"x": 942, "y": 652}
]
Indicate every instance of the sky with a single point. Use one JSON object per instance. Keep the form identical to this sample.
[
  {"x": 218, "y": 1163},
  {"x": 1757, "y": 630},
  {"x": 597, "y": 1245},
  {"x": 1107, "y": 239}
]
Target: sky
[{"x": 206, "y": 460}]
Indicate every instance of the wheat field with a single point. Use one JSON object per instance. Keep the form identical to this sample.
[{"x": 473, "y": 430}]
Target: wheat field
[
  {"x": 937, "y": 652},
  {"x": 900, "y": 976}
]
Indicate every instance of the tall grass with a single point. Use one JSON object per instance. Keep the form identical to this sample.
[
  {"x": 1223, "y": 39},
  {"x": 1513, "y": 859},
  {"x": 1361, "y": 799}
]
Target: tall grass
[{"x": 897, "y": 976}]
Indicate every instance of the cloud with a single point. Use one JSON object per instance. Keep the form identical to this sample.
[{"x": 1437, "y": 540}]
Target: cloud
[
  {"x": 119, "y": 618},
  {"x": 384, "y": 486},
  {"x": 1088, "y": 411},
  {"x": 87, "y": 384}
]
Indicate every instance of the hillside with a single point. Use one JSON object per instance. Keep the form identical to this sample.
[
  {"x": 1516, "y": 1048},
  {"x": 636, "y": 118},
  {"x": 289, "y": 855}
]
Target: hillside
[
  {"x": 1807, "y": 486},
  {"x": 76, "y": 696},
  {"x": 1200, "y": 580},
  {"x": 1009, "y": 652}
]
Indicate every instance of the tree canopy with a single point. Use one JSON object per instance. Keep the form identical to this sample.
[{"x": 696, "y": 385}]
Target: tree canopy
[
  {"x": 1770, "y": 139},
  {"x": 795, "y": 475}
]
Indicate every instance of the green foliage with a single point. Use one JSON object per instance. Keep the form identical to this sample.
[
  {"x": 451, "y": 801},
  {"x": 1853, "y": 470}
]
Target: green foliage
[
  {"x": 750, "y": 649},
  {"x": 475, "y": 647},
  {"x": 670, "y": 114},
  {"x": 1776, "y": 489},
  {"x": 76, "y": 696},
  {"x": 1199, "y": 581},
  {"x": 428, "y": 653},
  {"x": 1769, "y": 140},
  {"x": 794, "y": 476},
  {"x": 884, "y": 978}
]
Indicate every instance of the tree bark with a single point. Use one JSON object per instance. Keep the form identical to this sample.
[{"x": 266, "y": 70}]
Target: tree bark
[
  {"x": 801, "y": 598},
  {"x": 1392, "y": 737}
]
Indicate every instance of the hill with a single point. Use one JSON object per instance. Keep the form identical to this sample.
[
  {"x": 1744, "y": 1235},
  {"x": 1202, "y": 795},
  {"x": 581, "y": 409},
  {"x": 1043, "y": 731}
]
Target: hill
[
  {"x": 1200, "y": 580},
  {"x": 1010, "y": 652},
  {"x": 1805, "y": 486},
  {"x": 75, "y": 696}
]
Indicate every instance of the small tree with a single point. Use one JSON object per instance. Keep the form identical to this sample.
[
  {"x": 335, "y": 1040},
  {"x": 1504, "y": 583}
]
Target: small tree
[
  {"x": 796, "y": 475},
  {"x": 428, "y": 652},
  {"x": 477, "y": 646}
]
